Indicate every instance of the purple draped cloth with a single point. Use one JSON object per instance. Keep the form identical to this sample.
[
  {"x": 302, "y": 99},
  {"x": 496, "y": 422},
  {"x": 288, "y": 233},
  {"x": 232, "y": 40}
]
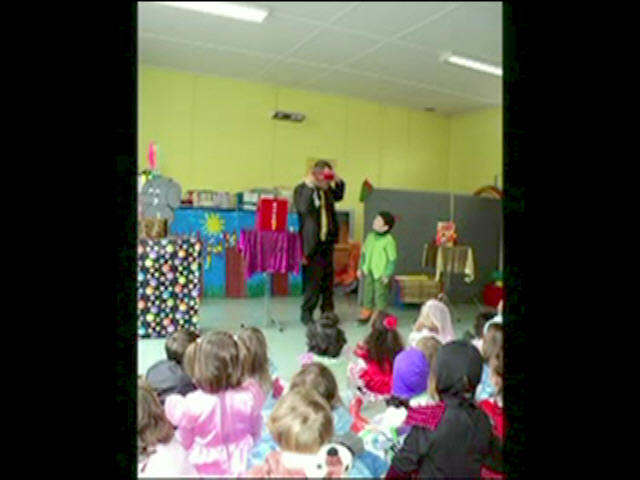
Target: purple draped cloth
[{"x": 272, "y": 252}]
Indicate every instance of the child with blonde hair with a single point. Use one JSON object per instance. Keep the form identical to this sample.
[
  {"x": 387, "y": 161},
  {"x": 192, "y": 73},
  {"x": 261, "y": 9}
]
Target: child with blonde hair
[
  {"x": 220, "y": 421},
  {"x": 257, "y": 364},
  {"x": 320, "y": 378},
  {"x": 159, "y": 452},
  {"x": 434, "y": 320},
  {"x": 300, "y": 424},
  {"x": 430, "y": 347}
]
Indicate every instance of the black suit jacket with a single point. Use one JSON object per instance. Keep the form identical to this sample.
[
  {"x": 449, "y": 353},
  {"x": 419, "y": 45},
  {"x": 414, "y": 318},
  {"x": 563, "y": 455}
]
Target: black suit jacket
[{"x": 309, "y": 214}]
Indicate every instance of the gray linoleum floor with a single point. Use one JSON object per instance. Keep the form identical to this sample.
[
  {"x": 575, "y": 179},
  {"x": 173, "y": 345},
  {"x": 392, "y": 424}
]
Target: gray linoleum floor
[{"x": 287, "y": 346}]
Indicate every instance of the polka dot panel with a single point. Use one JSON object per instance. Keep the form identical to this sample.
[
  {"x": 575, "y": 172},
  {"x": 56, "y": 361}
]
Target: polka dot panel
[{"x": 168, "y": 285}]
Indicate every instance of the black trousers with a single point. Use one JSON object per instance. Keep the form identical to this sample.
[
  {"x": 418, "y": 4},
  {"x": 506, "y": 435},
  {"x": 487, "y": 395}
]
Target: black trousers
[{"x": 317, "y": 282}]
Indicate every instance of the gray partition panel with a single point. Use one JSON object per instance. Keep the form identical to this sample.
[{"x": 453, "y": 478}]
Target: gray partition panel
[
  {"x": 478, "y": 221},
  {"x": 418, "y": 214}
]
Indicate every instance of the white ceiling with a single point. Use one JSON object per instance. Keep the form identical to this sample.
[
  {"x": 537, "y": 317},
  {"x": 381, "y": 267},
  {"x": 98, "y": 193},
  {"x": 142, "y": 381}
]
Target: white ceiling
[{"x": 382, "y": 51}]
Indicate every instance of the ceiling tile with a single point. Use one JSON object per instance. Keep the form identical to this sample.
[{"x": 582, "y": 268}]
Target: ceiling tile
[
  {"x": 469, "y": 82},
  {"x": 333, "y": 47},
  {"x": 404, "y": 70},
  {"x": 290, "y": 72},
  {"x": 399, "y": 62},
  {"x": 409, "y": 65},
  {"x": 442, "y": 102},
  {"x": 389, "y": 18},
  {"x": 351, "y": 83},
  {"x": 317, "y": 11},
  {"x": 211, "y": 61},
  {"x": 274, "y": 37},
  {"x": 472, "y": 29}
]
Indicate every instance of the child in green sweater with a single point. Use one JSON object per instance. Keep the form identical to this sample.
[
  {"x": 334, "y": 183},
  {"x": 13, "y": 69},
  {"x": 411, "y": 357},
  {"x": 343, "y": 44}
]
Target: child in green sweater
[{"x": 377, "y": 264}]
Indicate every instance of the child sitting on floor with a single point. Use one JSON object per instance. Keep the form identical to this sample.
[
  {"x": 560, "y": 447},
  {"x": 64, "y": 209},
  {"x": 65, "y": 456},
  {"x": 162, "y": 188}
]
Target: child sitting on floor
[
  {"x": 326, "y": 343},
  {"x": 491, "y": 345},
  {"x": 324, "y": 337},
  {"x": 320, "y": 378},
  {"x": 371, "y": 372},
  {"x": 459, "y": 443},
  {"x": 168, "y": 376},
  {"x": 493, "y": 406},
  {"x": 430, "y": 347},
  {"x": 256, "y": 364},
  {"x": 481, "y": 320},
  {"x": 159, "y": 452},
  {"x": 220, "y": 421},
  {"x": 300, "y": 425},
  {"x": 434, "y": 320},
  {"x": 386, "y": 431}
]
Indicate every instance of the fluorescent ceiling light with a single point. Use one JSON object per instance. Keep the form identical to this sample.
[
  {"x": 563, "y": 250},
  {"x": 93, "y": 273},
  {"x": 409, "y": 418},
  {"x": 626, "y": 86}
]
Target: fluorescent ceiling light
[
  {"x": 224, "y": 9},
  {"x": 473, "y": 64}
]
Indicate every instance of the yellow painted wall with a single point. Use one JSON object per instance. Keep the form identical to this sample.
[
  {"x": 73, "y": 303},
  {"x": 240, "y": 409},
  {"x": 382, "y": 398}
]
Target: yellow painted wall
[
  {"x": 476, "y": 150},
  {"x": 216, "y": 133}
]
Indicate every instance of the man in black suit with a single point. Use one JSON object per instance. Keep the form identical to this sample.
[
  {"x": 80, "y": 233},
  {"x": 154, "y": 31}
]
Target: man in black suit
[{"x": 314, "y": 199}]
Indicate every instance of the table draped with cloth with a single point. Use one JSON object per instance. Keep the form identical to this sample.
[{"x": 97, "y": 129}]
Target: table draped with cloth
[
  {"x": 270, "y": 252},
  {"x": 455, "y": 259}
]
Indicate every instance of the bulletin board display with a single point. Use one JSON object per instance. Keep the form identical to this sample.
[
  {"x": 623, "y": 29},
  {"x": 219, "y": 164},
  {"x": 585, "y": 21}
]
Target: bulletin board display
[{"x": 223, "y": 269}]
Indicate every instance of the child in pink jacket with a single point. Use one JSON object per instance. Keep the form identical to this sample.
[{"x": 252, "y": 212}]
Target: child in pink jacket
[{"x": 219, "y": 422}]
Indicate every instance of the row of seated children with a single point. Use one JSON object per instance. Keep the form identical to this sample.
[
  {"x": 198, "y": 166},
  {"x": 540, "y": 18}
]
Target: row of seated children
[
  {"x": 416, "y": 400},
  {"x": 440, "y": 390},
  {"x": 223, "y": 424}
]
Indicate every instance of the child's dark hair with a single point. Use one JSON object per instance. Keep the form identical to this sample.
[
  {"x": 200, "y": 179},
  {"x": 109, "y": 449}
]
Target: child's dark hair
[
  {"x": 325, "y": 337},
  {"x": 389, "y": 219},
  {"x": 481, "y": 319},
  {"x": 177, "y": 344},
  {"x": 382, "y": 343}
]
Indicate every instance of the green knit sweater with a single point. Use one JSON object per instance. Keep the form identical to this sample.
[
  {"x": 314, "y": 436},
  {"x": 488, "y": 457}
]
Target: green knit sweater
[{"x": 379, "y": 255}]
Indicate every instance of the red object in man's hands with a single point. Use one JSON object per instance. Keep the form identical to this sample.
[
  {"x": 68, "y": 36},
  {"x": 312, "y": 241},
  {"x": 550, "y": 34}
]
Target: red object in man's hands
[{"x": 329, "y": 175}]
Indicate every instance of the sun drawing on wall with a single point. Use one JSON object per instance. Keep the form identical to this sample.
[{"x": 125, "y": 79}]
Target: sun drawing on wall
[{"x": 213, "y": 224}]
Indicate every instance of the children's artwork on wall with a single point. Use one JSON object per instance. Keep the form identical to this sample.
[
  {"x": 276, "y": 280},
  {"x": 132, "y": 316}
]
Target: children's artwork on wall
[
  {"x": 168, "y": 285},
  {"x": 222, "y": 266}
]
